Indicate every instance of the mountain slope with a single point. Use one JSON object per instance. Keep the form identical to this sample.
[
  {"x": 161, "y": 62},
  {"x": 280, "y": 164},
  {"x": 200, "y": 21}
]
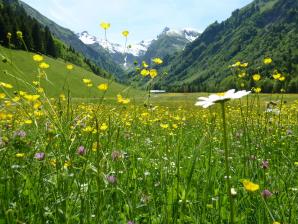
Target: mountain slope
[
  {"x": 170, "y": 42},
  {"x": 57, "y": 75},
  {"x": 264, "y": 28},
  {"x": 98, "y": 55}
]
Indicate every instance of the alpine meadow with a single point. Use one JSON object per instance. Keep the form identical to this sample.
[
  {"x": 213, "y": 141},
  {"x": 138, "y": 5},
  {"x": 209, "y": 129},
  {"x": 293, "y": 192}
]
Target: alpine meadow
[{"x": 114, "y": 123}]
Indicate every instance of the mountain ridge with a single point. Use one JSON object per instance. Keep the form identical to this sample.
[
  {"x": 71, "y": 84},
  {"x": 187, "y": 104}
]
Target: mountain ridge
[{"x": 176, "y": 40}]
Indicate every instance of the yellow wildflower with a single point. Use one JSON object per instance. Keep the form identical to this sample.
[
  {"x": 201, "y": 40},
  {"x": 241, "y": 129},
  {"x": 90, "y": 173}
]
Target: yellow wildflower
[
  {"x": 38, "y": 113},
  {"x": 36, "y": 83},
  {"x": 44, "y": 65},
  {"x": 62, "y": 97},
  {"x": 67, "y": 164},
  {"x": 28, "y": 121},
  {"x": 282, "y": 78},
  {"x": 105, "y": 25},
  {"x": 267, "y": 61},
  {"x": 144, "y": 64},
  {"x": 244, "y": 65},
  {"x": 125, "y": 101},
  {"x": 2, "y": 95},
  {"x": 88, "y": 129},
  {"x": 125, "y": 33},
  {"x": 22, "y": 93},
  {"x": 153, "y": 73},
  {"x": 31, "y": 98},
  {"x": 20, "y": 155},
  {"x": 157, "y": 61},
  {"x": 145, "y": 72},
  {"x": 19, "y": 34},
  {"x": 69, "y": 67},
  {"x": 257, "y": 90},
  {"x": 276, "y": 76},
  {"x": 37, "y": 105},
  {"x": 103, "y": 87},
  {"x": 16, "y": 99},
  {"x": 40, "y": 90},
  {"x": 86, "y": 81},
  {"x": 53, "y": 162},
  {"x": 237, "y": 64},
  {"x": 256, "y": 77},
  {"x": 103, "y": 127},
  {"x": 6, "y": 85},
  {"x": 37, "y": 58},
  {"x": 164, "y": 126},
  {"x": 250, "y": 186}
]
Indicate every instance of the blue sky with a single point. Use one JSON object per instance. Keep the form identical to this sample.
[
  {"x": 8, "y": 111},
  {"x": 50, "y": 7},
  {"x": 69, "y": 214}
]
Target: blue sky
[{"x": 143, "y": 18}]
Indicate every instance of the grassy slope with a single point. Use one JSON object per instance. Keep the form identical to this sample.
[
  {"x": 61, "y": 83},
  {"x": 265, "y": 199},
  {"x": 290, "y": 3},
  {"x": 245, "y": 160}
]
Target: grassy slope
[{"x": 57, "y": 74}]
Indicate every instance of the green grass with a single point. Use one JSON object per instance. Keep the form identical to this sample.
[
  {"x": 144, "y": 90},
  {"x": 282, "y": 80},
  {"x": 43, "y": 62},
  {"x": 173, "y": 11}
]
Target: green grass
[{"x": 24, "y": 69}]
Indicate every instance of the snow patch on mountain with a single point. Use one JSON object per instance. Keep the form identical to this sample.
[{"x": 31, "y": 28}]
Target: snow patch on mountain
[
  {"x": 138, "y": 49},
  {"x": 134, "y": 49},
  {"x": 188, "y": 33}
]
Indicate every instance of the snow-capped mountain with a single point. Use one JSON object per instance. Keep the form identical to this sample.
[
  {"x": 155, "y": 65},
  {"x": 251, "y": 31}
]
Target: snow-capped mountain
[
  {"x": 187, "y": 33},
  {"x": 113, "y": 48},
  {"x": 168, "y": 42}
]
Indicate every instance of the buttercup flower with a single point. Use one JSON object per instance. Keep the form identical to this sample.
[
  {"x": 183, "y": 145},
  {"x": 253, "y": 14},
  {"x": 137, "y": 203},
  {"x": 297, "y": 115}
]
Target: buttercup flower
[
  {"x": 145, "y": 72},
  {"x": 19, "y": 34},
  {"x": 44, "y": 65},
  {"x": 267, "y": 61},
  {"x": 153, "y": 73},
  {"x": 257, "y": 90},
  {"x": 37, "y": 58},
  {"x": 69, "y": 67},
  {"x": 103, "y": 87},
  {"x": 105, "y": 25},
  {"x": 256, "y": 77},
  {"x": 250, "y": 186},
  {"x": 157, "y": 61},
  {"x": 125, "y": 33},
  {"x": 220, "y": 97},
  {"x": 6, "y": 85}
]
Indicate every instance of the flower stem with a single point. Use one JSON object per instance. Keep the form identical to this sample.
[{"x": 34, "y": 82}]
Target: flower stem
[{"x": 225, "y": 143}]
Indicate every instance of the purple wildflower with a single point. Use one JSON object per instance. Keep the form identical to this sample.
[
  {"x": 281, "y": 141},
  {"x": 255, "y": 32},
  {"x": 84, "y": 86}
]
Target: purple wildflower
[
  {"x": 130, "y": 222},
  {"x": 20, "y": 134},
  {"x": 111, "y": 179},
  {"x": 265, "y": 164},
  {"x": 40, "y": 156},
  {"x": 116, "y": 155},
  {"x": 81, "y": 150},
  {"x": 266, "y": 193}
]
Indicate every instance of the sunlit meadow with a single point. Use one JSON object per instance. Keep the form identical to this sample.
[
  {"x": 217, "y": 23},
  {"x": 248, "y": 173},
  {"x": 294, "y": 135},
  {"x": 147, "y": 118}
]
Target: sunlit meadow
[{"x": 151, "y": 159}]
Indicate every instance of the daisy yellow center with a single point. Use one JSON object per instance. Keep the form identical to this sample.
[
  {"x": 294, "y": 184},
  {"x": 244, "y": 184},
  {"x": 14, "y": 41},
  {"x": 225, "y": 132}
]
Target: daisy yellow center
[{"x": 221, "y": 94}]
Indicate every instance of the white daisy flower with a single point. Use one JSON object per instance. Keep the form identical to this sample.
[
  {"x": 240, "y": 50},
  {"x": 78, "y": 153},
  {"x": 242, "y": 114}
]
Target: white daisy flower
[{"x": 219, "y": 97}]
